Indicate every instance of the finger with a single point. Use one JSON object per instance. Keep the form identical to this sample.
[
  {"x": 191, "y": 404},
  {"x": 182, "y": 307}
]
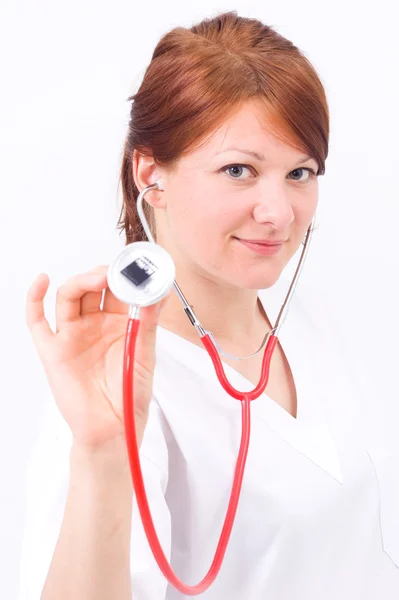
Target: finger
[
  {"x": 91, "y": 301},
  {"x": 35, "y": 317},
  {"x": 69, "y": 295},
  {"x": 113, "y": 305}
]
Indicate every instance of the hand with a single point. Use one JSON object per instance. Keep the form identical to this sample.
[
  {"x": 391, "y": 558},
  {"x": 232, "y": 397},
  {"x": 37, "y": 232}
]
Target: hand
[{"x": 83, "y": 359}]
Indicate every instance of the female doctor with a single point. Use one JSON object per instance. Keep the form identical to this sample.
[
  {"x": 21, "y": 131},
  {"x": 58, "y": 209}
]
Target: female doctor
[{"x": 238, "y": 141}]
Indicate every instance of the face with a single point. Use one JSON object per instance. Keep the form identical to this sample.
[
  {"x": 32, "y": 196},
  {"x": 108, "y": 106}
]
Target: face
[{"x": 220, "y": 203}]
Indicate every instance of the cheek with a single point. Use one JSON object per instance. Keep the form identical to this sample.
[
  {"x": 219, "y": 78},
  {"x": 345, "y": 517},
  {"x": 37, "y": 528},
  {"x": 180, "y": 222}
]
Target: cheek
[
  {"x": 193, "y": 223},
  {"x": 204, "y": 215},
  {"x": 304, "y": 210},
  {"x": 202, "y": 229}
]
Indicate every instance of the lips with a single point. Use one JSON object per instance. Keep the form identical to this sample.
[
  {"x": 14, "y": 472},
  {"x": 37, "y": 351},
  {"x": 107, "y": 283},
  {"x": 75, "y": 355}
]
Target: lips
[
  {"x": 262, "y": 242},
  {"x": 262, "y": 248}
]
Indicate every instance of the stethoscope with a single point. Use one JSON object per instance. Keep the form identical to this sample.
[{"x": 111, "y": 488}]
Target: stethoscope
[{"x": 142, "y": 274}]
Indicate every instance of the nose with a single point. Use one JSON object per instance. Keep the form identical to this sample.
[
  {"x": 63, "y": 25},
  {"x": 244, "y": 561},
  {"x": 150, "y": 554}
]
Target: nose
[{"x": 273, "y": 206}]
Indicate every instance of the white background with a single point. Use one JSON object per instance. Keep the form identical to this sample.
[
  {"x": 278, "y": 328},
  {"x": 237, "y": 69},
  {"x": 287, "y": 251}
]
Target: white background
[{"x": 67, "y": 69}]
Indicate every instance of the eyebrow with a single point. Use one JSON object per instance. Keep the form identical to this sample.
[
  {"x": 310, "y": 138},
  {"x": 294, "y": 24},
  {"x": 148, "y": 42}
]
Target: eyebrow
[{"x": 260, "y": 156}]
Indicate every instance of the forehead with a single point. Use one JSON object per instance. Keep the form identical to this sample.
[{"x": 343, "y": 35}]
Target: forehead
[{"x": 249, "y": 127}]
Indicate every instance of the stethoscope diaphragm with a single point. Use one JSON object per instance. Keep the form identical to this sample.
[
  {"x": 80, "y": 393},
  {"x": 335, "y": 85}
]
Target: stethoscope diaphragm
[{"x": 142, "y": 274}]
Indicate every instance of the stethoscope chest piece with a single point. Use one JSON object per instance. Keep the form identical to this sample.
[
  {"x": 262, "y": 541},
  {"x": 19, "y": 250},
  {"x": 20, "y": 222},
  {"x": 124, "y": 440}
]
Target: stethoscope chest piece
[{"x": 142, "y": 274}]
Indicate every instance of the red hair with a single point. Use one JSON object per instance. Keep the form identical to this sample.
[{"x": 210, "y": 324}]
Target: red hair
[{"x": 199, "y": 76}]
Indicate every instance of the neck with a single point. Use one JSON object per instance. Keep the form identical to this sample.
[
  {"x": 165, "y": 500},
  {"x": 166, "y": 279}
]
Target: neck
[{"x": 232, "y": 315}]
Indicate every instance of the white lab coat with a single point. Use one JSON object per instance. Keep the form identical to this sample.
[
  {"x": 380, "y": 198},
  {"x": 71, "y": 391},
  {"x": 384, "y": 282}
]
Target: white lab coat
[{"x": 319, "y": 511}]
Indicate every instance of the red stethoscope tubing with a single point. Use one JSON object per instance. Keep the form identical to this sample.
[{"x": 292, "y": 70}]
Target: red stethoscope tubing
[{"x": 134, "y": 460}]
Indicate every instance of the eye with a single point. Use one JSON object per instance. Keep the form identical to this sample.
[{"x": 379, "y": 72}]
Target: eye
[
  {"x": 237, "y": 169},
  {"x": 311, "y": 174}
]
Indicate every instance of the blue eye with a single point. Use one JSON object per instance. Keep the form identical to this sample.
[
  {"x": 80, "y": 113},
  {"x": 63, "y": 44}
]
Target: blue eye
[
  {"x": 311, "y": 174},
  {"x": 237, "y": 166}
]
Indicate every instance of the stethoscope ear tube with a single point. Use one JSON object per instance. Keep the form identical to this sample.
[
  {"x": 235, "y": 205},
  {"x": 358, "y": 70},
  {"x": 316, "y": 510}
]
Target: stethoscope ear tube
[{"x": 179, "y": 293}]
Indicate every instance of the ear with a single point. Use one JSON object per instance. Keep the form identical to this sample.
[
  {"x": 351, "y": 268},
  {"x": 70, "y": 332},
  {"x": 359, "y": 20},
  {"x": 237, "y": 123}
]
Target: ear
[{"x": 145, "y": 173}]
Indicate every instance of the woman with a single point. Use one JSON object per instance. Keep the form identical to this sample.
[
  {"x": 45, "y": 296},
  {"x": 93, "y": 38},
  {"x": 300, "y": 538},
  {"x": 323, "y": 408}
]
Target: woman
[{"x": 239, "y": 141}]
